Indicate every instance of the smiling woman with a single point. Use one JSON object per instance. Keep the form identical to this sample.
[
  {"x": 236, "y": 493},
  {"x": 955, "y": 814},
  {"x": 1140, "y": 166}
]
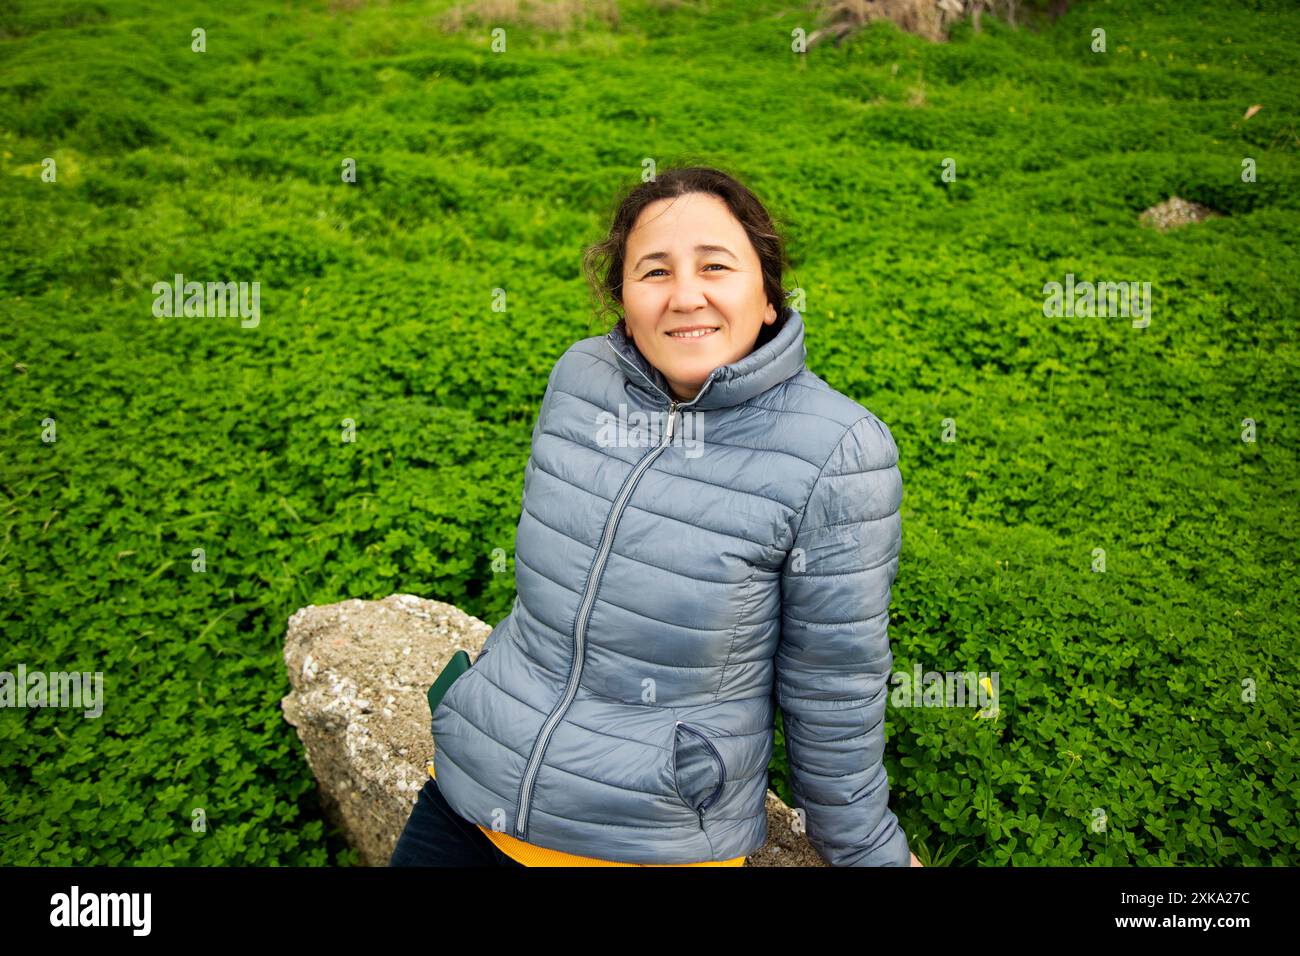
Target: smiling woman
[
  {"x": 670, "y": 597},
  {"x": 695, "y": 264},
  {"x": 692, "y": 306}
]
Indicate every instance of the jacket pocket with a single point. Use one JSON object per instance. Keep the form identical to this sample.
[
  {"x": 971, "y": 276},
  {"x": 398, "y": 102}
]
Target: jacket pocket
[{"x": 698, "y": 769}]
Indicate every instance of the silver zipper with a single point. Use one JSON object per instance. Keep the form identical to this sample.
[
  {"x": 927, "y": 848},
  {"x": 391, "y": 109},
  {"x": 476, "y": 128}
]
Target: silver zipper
[
  {"x": 584, "y": 609},
  {"x": 707, "y": 382}
]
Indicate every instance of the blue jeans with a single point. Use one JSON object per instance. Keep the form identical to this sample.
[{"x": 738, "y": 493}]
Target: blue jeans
[{"x": 436, "y": 835}]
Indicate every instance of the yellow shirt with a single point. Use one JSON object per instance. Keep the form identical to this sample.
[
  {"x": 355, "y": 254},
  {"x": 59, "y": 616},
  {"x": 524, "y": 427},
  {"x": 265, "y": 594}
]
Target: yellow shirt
[{"x": 530, "y": 855}]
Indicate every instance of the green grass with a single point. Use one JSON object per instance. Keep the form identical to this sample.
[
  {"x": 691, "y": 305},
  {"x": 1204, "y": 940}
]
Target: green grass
[{"x": 1121, "y": 692}]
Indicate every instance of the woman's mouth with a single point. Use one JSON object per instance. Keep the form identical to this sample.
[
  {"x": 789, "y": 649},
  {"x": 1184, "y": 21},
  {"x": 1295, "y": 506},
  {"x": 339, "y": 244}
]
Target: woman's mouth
[{"x": 695, "y": 333}]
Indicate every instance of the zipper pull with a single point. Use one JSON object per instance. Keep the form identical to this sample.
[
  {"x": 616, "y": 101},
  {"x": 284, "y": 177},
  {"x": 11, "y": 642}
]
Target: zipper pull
[{"x": 672, "y": 409}]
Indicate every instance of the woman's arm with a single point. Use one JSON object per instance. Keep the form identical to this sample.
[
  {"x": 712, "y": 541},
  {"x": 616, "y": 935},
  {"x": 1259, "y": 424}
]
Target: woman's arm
[
  {"x": 833, "y": 662},
  {"x": 528, "y": 470}
]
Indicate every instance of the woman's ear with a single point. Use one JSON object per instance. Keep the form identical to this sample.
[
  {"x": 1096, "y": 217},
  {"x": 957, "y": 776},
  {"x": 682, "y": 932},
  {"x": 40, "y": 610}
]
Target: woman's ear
[{"x": 770, "y": 315}]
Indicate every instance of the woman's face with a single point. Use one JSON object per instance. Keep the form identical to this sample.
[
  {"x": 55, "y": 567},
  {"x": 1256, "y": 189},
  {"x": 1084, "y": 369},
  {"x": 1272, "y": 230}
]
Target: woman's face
[{"x": 689, "y": 265}]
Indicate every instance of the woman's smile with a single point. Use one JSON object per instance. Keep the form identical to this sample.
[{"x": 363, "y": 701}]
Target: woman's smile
[{"x": 692, "y": 333}]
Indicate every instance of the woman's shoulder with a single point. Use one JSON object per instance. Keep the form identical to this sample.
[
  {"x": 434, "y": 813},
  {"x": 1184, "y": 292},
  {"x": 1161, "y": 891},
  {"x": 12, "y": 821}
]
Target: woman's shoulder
[
  {"x": 838, "y": 419},
  {"x": 580, "y": 357}
]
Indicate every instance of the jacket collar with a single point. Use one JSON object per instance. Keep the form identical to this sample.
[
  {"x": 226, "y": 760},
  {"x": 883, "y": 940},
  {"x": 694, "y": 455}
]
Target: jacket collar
[{"x": 780, "y": 358}]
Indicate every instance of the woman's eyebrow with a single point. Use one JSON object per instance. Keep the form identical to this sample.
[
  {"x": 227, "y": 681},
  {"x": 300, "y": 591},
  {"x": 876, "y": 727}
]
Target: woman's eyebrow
[{"x": 698, "y": 249}]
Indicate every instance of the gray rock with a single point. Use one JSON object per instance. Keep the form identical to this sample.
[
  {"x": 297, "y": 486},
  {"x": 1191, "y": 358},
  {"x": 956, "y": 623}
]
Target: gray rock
[
  {"x": 1175, "y": 212},
  {"x": 359, "y": 672}
]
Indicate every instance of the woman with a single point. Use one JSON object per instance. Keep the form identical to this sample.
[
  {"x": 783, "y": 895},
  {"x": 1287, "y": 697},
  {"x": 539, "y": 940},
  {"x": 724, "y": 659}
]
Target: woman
[{"x": 708, "y": 531}]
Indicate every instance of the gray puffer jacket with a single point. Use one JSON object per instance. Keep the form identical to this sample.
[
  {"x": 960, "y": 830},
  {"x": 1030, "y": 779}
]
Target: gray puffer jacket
[{"x": 681, "y": 568}]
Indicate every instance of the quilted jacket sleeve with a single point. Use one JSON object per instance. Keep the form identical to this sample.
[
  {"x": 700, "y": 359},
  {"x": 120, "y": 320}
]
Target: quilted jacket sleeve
[
  {"x": 537, "y": 431},
  {"x": 833, "y": 662}
]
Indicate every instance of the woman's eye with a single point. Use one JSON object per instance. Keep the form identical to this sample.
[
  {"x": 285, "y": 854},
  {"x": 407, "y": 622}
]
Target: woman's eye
[{"x": 710, "y": 265}]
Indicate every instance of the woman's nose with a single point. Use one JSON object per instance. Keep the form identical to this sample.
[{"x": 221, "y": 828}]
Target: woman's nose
[{"x": 687, "y": 294}]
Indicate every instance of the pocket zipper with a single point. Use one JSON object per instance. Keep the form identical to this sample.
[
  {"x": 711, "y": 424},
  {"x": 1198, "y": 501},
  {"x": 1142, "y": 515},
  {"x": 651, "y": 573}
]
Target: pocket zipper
[{"x": 722, "y": 768}]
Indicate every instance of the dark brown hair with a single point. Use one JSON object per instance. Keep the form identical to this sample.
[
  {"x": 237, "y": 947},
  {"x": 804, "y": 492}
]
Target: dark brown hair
[{"x": 603, "y": 262}]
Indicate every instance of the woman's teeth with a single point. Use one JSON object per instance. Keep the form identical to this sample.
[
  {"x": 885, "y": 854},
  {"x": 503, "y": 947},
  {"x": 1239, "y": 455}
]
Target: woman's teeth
[{"x": 698, "y": 333}]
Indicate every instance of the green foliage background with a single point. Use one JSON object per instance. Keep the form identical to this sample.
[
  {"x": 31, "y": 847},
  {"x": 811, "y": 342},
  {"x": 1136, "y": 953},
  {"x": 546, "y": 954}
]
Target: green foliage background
[{"x": 1121, "y": 692}]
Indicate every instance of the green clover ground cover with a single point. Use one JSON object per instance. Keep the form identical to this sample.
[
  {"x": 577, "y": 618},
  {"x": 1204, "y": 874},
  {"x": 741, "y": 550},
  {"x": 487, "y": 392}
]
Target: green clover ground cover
[{"x": 1146, "y": 712}]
